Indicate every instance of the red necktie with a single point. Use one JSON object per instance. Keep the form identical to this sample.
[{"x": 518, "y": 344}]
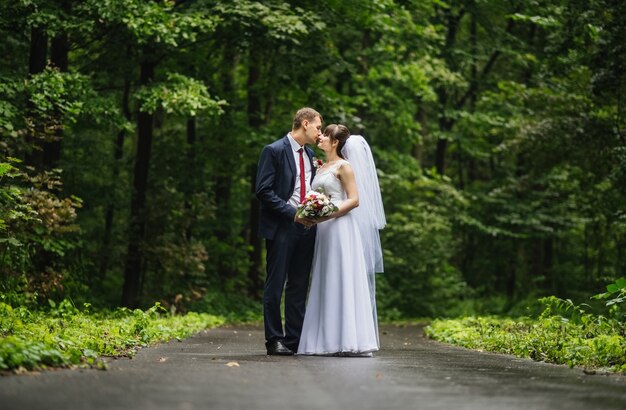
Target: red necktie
[{"x": 302, "y": 176}]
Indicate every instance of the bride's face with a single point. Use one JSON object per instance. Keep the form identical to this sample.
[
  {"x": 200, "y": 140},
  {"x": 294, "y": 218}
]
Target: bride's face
[{"x": 326, "y": 144}]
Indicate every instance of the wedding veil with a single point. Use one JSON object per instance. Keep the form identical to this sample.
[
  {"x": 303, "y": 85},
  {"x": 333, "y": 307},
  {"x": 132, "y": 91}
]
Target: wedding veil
[{"x": 370, "y": 214}]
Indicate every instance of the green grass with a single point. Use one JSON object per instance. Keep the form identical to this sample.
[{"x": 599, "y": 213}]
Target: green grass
[
  {"x": 65, "y": 335},
  {"x": 564, "y": 333},
  {"x": 590, "y": 341}
]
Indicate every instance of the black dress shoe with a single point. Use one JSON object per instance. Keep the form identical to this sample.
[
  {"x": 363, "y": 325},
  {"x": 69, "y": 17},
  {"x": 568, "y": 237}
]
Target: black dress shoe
[
  {"x": 291, "y": 346},
  {"x": 277, "y": 348}
]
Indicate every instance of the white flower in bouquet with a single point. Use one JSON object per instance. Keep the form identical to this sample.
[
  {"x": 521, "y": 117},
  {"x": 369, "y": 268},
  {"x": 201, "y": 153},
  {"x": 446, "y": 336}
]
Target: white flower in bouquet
[{"x": 316, "y": 205}]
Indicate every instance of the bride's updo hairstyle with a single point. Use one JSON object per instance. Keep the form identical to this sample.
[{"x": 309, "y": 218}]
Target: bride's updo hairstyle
[{"x": 338, "y": 132}]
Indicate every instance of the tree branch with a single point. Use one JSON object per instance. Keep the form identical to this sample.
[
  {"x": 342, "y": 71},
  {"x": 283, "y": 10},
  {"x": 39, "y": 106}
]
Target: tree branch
[{"x": 484, "y": 72}]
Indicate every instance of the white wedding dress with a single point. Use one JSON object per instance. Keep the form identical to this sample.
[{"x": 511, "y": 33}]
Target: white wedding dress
[{"x": 338, "y": 317}]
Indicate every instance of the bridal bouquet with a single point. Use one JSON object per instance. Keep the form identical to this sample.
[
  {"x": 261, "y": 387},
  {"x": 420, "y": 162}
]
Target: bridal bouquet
[{"x": 315, "y": 205}]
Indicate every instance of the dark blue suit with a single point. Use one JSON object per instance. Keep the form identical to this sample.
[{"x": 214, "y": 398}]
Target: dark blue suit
[{"x": 289, "y": 245}]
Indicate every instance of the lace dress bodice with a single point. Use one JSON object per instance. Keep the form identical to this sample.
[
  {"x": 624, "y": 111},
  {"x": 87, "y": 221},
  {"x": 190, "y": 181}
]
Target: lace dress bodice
[{"x": 329, "y": 182}]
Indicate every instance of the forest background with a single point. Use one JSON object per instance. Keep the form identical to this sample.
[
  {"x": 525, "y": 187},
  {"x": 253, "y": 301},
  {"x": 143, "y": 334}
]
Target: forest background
[{"x": 130, "y": 134}]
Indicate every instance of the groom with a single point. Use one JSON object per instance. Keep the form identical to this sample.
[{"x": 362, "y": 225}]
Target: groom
[{"x": 284, "y": 176}]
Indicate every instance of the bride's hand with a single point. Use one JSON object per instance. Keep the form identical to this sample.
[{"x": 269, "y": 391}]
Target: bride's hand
[{"x": 308, "y": 222}]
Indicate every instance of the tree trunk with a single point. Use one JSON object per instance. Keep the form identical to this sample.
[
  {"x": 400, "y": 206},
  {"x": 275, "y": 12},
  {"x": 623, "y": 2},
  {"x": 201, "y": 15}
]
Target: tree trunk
[
  {"x": 38, "y": 50},
  {"x": 586, "y": 257},
  {"x": 59, "y": 50},
  {"x": 541, "y": 264},
  {"x": 255, "y": 120},
  {"x": 418, "y": 149},
  {"x": 474, "y": 68},
  {"x": 445, "y": 124},
  {"x": 36, "y": 64},
  {"x": 620, "y": 261},
  {"x": 512, "y": 271},
  {"x": 460, "y": 161},
  {"x": 224, "y": 164},
  {"x": 191, "y": 176},
  {"x": 135, "y": 255},
  {"x": 471, "y": 162},
  {"x": 548, "y": 256},
  {"x": 440, "y": 156},
  {"x": 528, "y": 73},
  {"x": 469, "y": 247},
  {"x": 472, "y": 96},
  {"x": 603, "y": 227},
  {"x": 110, "y": 211},
  {"x": 256, "y": 243}
]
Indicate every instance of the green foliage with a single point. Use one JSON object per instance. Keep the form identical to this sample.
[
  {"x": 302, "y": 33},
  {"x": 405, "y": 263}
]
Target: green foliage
[
  {"x": 37, "y": 230},
  {"x": 66, "y": 335},
  {"x": 153, "y": 22},
  {"x": 598, "y": 343},
  {"x": 615, "y": 297},
  {"x": 180, "y": 95},
  {"x": 497, "y": 129},
  {"x": 232, "y": 305},
  {"x": 53, "y": 91},
  {"x": 278, "y": 20},
  {"x": 418, "y": 242},
  {"x": 563, "y": 333}
]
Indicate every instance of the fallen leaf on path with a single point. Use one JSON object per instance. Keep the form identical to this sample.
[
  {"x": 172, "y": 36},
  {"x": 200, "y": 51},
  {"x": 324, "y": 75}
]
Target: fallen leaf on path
[{"x": 232, "y": 364}]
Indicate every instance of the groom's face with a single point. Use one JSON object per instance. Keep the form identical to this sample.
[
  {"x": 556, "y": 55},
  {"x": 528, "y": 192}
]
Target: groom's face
[{"x": 313, "y": 130}]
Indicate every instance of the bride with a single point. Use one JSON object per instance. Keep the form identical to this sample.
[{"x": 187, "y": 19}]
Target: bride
[{"x": 340, "y": 315}]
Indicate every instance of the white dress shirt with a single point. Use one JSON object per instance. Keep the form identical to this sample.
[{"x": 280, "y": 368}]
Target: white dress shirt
[{"x": 295, "y": 198}]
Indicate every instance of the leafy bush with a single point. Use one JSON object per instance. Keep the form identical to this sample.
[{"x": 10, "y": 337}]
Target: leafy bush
[
  {"x": 564, "y": 333},
  {"x": 616, "y": 299},
  {"x": 65, "y": 335},
  {"x": 36, "y": 233},
  {"x": 233, "y": 306},
  {"x": 419, "y": 242}
]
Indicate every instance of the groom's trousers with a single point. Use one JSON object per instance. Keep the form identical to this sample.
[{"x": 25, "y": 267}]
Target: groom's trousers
[{"x": 289, "y": 257}]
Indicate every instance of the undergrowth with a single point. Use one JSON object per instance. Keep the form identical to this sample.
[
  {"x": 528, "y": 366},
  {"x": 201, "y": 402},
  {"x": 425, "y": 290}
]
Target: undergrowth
[
  {"x": 564, "y": 333},
  {"x": 65, "y": 335}
]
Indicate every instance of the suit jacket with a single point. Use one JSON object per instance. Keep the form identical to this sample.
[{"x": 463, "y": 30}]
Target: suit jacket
[{"x": 275, "y": 183}]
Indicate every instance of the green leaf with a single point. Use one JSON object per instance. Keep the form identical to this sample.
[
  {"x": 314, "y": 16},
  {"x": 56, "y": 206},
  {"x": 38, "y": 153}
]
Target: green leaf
[
  {"x": 612, "y": 288},
  {"x": 5, "y": 167}
]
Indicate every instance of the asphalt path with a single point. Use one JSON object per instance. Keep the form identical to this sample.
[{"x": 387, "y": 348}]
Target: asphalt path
[{"x": 227, "y": 368}]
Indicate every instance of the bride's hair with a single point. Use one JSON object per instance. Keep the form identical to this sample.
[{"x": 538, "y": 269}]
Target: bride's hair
[{"x": 338, "y": 132}]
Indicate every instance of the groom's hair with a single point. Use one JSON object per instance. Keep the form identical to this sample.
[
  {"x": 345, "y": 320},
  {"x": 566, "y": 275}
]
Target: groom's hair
[{"x": 305, "y": 113}]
